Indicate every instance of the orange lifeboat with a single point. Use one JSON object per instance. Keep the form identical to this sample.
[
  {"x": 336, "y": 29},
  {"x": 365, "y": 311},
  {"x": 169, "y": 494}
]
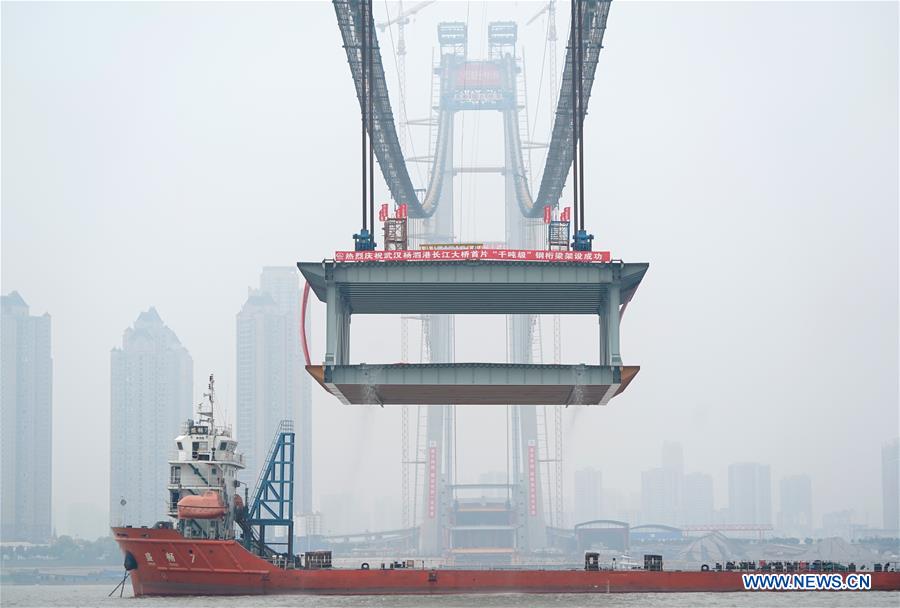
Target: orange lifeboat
[{"x": 204, "y": 506}]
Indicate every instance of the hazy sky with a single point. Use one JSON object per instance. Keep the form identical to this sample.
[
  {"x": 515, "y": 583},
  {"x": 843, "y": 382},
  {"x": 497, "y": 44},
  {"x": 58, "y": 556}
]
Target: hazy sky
[{"x": 161, "y": 154}]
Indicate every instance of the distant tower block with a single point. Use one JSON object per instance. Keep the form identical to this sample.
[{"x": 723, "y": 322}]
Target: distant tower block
[{"x": 472, "y": 287}]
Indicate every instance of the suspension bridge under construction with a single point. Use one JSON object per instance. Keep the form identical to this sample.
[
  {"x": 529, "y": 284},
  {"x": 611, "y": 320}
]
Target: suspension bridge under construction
[{"x": 422, "y": 272}]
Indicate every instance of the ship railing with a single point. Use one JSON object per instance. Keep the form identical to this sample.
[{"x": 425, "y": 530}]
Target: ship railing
[
  {"x": 284, "y": 562},
  {"x": 226, "y": 457},
  {"x": 175, "y": 456}
]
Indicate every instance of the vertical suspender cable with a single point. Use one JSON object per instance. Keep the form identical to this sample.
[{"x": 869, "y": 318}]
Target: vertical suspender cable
[
  {"x": 370, "y": 23},
  {"x": 362, "y": 50},
  {"x": 581, "y": 110},
  {"x": 574, "y": 55}
]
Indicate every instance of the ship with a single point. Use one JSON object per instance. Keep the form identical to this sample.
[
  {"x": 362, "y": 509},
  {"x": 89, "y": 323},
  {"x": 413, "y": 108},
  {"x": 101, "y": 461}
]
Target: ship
[{"x": 215, "y": 543}]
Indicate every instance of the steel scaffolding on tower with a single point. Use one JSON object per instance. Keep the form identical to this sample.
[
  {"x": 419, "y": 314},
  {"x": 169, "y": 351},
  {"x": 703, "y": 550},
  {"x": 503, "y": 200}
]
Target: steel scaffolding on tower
[{"x": 436, "y": 383}]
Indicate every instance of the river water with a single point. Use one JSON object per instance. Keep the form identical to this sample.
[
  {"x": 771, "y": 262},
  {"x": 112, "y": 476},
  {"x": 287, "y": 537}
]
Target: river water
[{"x": 95, "y": 595}]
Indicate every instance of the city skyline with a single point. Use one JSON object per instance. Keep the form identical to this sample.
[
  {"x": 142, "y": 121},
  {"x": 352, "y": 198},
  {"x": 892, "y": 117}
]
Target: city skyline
[
  {"x": 128, "y": 176},
  {"x": 684, "y": 495}
]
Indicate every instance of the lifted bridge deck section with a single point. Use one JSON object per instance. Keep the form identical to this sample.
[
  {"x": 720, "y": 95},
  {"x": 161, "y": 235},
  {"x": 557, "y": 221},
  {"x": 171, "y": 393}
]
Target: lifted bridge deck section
[
  {"x": 473, "y": 383},
  {"x": 472, "y": 287}
]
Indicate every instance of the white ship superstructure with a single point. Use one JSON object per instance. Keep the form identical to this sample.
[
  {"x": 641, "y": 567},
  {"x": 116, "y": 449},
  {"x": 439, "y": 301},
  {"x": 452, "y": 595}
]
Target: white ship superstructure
[{"x": 203, "y": 485}]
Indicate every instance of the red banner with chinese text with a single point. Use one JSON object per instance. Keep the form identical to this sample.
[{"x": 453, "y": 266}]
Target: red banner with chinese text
[
  {"x": 432, "y": 481},
  {"x": 532, "y": 479},
  {"x": 521, "y": 255}
]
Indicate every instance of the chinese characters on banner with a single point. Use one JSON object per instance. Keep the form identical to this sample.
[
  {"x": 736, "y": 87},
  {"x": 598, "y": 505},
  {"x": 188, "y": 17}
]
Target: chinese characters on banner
[
  {"x": 432, "y": 480},
  {"x": 532, "y": 479},
  {"x": 522, "y": 255}
]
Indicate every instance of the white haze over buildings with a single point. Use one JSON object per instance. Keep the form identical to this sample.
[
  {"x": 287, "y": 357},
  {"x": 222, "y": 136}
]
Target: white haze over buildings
[{"x": 162, "y": 154}]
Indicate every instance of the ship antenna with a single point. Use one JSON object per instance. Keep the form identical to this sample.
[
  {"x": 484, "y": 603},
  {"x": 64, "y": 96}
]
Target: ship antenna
[{"x": 211, "y": 397}]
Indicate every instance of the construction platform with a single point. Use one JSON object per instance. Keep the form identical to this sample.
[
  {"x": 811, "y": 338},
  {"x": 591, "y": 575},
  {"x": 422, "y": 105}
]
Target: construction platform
[{"x": 472, "y": 287}]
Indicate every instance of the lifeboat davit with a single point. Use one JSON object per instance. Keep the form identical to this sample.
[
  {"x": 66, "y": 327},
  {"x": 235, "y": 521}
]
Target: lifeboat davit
[{"x": 204, "y": 506}]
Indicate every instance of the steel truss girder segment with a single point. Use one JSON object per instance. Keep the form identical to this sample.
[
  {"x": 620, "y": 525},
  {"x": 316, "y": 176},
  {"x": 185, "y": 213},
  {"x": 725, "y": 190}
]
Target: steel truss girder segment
[
  {"x": 472, "y": 287},
  {"x": 475, "y": 383}
]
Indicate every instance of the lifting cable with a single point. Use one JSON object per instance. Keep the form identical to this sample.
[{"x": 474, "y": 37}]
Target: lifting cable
[
  {"x": 573, "y": 36},
  {"x": 370, "y": 27},
  {"x": 582, "y": 240},
  {"x": 577, "y": 37},
  {"x": 365, "y": 240},
  {"x": 580, "y": 63},
  {"x": 365, "y": 92}
]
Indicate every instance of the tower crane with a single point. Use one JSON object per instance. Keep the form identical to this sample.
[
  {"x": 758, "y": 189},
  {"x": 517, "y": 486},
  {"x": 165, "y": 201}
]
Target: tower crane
[
  {"x": 557, "y": 460},
  {"x": 402, "y": 19},
  {"x": 550, "y": 9}
]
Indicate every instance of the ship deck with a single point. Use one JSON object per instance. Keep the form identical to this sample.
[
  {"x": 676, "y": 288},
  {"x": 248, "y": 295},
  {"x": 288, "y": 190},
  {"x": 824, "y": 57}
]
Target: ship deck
[{"x": 167, "y": 565}]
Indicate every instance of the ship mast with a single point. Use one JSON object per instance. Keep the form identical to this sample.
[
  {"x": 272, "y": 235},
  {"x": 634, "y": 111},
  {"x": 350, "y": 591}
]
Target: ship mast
[{"x": 211, "y": 399}]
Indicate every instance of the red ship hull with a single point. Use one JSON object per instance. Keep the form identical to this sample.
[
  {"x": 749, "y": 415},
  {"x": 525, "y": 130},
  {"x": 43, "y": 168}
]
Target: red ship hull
[{"x": 169, "y": 564}]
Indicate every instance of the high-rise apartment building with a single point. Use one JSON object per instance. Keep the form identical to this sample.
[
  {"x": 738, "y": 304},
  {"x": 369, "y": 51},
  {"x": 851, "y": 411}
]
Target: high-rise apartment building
[
  {"x": 25, "y": 423},
  {"x": 890, "y": 485},
  {"x": 662, "y": 487},
  {"x": 673, "y": 457},
  {"x": 588, "y": 492},
  {"x": 750, "y": 493},
  {"x": 660, "y": 496},
  {"x": 795, "y": 498},
  {"x": 697, "y": 499},
  {"x": 272, "y": 384},
  {"x": 152, "y": 385}
]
